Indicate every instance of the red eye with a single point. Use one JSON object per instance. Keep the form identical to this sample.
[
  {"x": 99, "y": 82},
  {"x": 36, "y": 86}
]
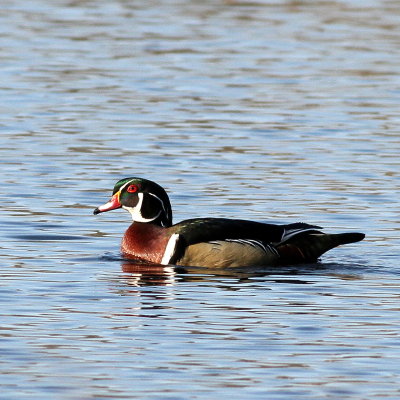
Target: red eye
[{"x": 132, "y": 189}]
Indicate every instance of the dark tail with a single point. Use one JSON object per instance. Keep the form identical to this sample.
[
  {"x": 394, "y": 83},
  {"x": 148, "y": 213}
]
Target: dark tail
[{"x": 309, "y": 247}]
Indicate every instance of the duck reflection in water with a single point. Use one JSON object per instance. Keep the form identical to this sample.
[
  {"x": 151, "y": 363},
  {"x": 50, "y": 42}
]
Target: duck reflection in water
[
  {"x": 145, "y": 273},
  {"x": 141, "y": 273}
]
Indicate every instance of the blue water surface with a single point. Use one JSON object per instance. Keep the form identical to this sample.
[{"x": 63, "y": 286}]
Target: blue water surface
[{"x": 272, "y": 111}]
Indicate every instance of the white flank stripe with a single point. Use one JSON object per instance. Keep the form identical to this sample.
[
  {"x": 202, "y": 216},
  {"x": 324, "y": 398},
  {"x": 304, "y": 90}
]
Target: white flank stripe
[{"x": 170, "y": 249}]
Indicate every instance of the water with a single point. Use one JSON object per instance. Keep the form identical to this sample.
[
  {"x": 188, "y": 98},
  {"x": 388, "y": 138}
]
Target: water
[{"x": 270, "y": 111}]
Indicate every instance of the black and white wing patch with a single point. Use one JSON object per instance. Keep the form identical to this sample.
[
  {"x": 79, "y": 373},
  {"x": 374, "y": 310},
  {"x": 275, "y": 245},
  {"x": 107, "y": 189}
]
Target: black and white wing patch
[
  {"x": 298, "y": 228},
  {"x": 257, "y": 244}
]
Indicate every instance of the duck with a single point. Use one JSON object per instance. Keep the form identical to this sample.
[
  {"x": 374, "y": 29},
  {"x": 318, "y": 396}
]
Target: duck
[{"x": 211, "y": 242}]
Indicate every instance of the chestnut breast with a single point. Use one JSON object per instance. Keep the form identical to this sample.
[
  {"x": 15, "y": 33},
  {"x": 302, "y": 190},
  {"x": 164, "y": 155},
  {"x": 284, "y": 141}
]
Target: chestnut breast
[{"x": 145, "y": 242}]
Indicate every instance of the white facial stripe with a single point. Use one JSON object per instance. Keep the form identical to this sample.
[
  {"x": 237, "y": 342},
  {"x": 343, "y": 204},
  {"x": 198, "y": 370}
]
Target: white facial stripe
[
  {"x": 126, "y": 184},
  {"x": 162, "y": 203},
  {"x": 170, "y": 249},
  {"x": 136, "y": 211}
]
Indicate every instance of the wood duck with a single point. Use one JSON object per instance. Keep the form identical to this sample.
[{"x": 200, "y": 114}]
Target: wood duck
[{"x": 211, "y": 242}]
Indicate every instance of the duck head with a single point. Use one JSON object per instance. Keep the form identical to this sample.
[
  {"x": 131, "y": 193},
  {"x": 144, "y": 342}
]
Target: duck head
[{"x": 146, "y": 201}]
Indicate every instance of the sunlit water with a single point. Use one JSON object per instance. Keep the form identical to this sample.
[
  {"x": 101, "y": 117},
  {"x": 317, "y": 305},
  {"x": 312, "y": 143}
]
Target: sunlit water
[{"x": 270, "y": 111}]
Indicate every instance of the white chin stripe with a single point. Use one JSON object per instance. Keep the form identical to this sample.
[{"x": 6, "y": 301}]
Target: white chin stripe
[{"x": 136, "y": 211}]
